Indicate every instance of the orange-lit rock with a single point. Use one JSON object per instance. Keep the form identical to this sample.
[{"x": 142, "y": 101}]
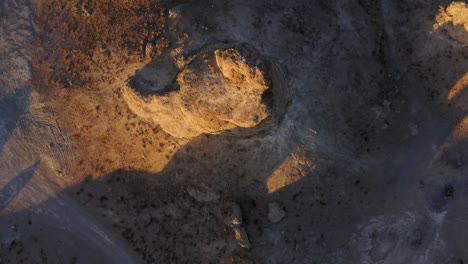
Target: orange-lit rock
[
  {"x": 294, "y": 167},
  {"x": 454, "y": 19},
  {"x": 220, "y": 89}
]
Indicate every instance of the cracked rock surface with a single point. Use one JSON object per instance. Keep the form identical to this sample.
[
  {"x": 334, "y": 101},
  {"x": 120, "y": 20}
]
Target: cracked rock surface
[{"x": 223, "y": 88}]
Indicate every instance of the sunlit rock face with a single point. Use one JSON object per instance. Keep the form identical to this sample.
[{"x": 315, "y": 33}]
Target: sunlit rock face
[
  {"x": 222, "y": 88},
  {"x": 454, "y": 21}
]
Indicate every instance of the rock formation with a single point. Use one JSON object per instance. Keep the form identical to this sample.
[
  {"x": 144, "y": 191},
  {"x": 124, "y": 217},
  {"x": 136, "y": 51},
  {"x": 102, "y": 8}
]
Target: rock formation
[
  {"x": 222, "y": 88},
  {"x": 454, "y": 21}
]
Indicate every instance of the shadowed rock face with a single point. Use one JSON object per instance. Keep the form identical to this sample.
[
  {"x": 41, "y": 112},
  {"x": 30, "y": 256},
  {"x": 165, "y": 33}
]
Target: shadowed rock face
[{"x": 222, "y": 88}]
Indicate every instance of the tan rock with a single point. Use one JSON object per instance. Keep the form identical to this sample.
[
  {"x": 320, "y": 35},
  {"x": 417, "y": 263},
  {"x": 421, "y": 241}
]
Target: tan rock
[
  {"x": 220, "y": 89},
  {"x": 454, "y": 19}
]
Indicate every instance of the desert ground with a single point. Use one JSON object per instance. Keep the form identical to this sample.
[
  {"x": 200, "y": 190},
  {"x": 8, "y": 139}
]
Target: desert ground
[{"x": 295, "y": 132}]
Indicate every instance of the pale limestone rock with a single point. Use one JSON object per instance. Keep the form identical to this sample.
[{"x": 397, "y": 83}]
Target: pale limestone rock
[{"x": 220, "y": 89}]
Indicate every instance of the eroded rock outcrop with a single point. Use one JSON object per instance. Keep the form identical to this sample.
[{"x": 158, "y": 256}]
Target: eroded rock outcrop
[
  {"x": 222, "y": 88},
  {"x": 454, "y": 21}
]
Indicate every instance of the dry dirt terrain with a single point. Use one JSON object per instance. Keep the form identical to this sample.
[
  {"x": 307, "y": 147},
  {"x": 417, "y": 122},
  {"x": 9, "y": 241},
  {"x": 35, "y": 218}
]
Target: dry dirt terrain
[{"x": 168, "y": 131}]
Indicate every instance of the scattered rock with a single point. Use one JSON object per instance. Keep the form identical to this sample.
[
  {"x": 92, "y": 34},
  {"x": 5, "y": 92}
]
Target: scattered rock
[
  {"x": 234, "y": 221},
  {"x": 275, "y": 212},
  {"x": 241, "y": 236},
  {"x": 202, "y": 194},
  {"x": 235, "y": 216}
]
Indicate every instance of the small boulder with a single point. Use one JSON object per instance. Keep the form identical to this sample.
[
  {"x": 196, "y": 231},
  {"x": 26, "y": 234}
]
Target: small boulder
[
  {"x": 275, "y": 212},
  {"x": 235, "y": 216},
  {"x": 202, "y": 194},
  {"x": 241, "y": 236},
  {"x": 234, "y": 221}
]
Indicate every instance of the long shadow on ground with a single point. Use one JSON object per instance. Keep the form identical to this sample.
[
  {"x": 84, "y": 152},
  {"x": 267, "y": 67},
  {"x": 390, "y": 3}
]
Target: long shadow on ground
[{"x": 12, "y": 109}]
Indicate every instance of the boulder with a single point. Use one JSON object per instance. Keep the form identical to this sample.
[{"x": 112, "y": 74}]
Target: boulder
[
  {"x": 222, "y": 88},
  {"x": 275, "y": 212}
]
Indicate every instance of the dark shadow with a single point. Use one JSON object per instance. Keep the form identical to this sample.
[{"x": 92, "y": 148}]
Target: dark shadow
[
  {"x": 12, "y": 109},
  {"x": 432, "y": 72},
  {"x": 456, "y": 33},
  {"x": 437, "y": 82},
  {"x": 154, "y": 213},
  {"x": 156, "y": 216},
  {"x": 157, "y": 78},
  {"x": 14, "y": 187}
]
